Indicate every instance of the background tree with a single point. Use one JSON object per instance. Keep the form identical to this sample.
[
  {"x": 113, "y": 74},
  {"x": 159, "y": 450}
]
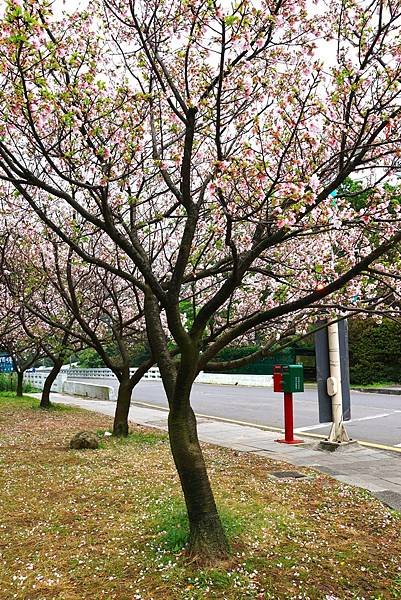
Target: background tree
[
  {"x": 75, "y": 305},
  {"x": 15, "y": 341},
  {"x": 109, "y": 316},
  {"x": 25, "y": 286},
  {"x": 375, "y": 351}
]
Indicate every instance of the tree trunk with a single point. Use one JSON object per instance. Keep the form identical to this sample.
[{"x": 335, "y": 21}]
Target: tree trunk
[
  {"x": 20, "y": 380},
  {"x": 120, "y": 425},
  {"x": 207, "y": 539},
  {"x": 45, "y": 399}
]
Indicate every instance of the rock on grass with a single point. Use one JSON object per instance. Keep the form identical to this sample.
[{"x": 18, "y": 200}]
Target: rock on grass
[{"x": 84, "y": 440}]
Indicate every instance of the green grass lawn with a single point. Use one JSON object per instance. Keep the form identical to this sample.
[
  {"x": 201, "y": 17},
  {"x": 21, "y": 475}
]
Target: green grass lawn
[
  {"x": 383, "y": 384},
  {"x": 110, "y": 523}
]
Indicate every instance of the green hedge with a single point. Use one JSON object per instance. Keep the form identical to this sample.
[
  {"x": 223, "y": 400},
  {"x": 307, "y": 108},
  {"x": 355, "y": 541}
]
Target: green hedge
[
  {"x": 260, "y": 367},
  {"x": 90, "y": 359},
  {"x": 8, "y": 383},
  {"x": 374, "y": 351}
]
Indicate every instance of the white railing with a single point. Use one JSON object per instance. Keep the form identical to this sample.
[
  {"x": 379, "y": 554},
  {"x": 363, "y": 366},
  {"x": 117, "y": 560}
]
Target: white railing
[
  {"x": 154, "y": 374},
  {"x": 38, "y": 378},
  {"x": 90, "y": 374},
  {"x": 61, "y": 384},
  {"x": 235, "y": 379}
]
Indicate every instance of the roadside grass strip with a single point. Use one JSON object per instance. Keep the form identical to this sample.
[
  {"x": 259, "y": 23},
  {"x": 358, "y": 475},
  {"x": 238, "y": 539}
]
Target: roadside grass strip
[{"x": 111, "y": 523}]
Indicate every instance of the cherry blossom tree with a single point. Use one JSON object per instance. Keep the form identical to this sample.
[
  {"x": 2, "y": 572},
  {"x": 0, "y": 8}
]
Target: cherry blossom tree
[
  {"x": 208, "y": 145},
  {"x": 39, "y": 339},
  {"x": 107, "y": 314},
  {"x": 23, "y": 285},
  {"x": 14, "y": 338},
  {"x": 73, "y": 305}
]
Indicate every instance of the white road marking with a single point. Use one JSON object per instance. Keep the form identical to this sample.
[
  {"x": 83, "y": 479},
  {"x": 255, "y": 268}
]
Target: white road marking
[
  {"x": 300, "y": 429},
  {"x": 397, "y": 445},
  {"x": 372, "y": 417},
  {"x": 380, "y": 416}
]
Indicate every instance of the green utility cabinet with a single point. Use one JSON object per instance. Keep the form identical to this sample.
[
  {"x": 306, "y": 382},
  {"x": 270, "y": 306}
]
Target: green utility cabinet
[{"x": 293, "y": 378}]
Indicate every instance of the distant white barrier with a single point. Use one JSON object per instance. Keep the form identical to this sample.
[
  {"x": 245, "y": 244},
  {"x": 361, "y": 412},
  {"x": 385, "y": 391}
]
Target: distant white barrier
[
  {"x": 89, "y": 390},
  {"x": 75, "y": 388},
  {"x": 38, "y": 378},
  {"x": 154, "y": 373},
  {"x": 90, "y": 374},
  {"x": 235, "y": 379}
]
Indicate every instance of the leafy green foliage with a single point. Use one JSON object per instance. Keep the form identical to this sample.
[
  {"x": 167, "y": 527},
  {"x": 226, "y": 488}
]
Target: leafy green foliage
[
  {"x": 90, "y": 359},
  {"x": 375, "y": 351},
  {"x": 358, "y": 196},
  {"x": 139, "y": 354},
  {"x": 8, "y": 383},
  {"x": 354, "y": 191},
  {"x": 262, "y": 366}
]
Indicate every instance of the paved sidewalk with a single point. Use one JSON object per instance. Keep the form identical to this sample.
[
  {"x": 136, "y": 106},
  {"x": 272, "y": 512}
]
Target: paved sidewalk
[{"x": 375, "y": 470}]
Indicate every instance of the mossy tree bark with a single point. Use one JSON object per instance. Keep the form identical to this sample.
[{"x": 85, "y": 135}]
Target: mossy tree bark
[
  {"x": 20, "y": 381},
  {"x": 51, "y": 378},
  {"x": 207, "y": 539},
  {"x": 120, "y": 425},
  {"x": 125, "y": 389}
]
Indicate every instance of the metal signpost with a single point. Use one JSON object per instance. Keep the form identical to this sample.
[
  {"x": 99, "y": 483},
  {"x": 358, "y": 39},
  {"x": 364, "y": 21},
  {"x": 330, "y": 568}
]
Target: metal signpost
[
  {"x": 288, "y": 379},
  {"x": 332, "y": 374}
]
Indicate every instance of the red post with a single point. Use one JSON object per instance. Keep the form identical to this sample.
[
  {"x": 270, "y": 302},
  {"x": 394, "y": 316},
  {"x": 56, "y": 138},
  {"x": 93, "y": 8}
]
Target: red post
[{"x": 289, "y": 421}]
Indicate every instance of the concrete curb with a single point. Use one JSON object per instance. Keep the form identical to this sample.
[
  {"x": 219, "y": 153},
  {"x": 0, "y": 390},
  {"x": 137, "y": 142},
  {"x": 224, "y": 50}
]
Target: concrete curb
[{"x": 389, "y": 391}]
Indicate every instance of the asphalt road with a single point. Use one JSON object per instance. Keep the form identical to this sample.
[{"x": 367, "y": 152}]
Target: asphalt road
[{"x": 376, "y": 418}]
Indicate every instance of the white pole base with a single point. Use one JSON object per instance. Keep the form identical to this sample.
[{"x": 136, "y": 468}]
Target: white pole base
[
  {"x": 327, "y": 446},
  {"x": 338, "y": 433}
]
